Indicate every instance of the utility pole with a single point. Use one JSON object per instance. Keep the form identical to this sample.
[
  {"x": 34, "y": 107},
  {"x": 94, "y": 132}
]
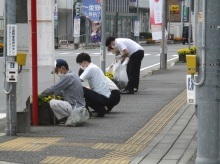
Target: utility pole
[
  {"x": 163, "y": 53},
  {"x": 208, "y": 93},
  {"x": 10, "y": 87},
  {"x": 103, "y": 37}
]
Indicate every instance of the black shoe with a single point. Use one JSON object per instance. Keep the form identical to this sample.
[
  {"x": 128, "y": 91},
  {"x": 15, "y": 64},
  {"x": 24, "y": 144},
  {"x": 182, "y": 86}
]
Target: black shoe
[
  {"x": 126, "y": 92},
  {"x": 96, "y": 114},
  {"x": 109, "y": 108}
]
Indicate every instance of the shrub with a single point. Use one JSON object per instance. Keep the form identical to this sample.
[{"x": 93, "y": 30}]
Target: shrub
[
  {"x": 150, "y": 40},
  {"x": 1, "y": 45},
  {"x": 145, "y": 35},
  {"x": 177, "y": 39}
]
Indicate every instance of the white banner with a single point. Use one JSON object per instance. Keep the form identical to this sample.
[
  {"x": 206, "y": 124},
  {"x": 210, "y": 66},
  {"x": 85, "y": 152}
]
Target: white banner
[
  {"x": 136, "y": 28},
  {"x": 156, "y": 9},
  {"x": 76, "y": 28}
]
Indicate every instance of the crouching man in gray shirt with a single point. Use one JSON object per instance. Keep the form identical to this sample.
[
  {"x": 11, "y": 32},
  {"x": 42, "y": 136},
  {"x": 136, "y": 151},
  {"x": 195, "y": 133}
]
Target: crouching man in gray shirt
[{"x": 71, "y": 88}]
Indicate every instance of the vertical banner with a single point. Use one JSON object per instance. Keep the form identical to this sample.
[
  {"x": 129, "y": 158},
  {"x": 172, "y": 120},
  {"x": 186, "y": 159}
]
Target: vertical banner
[
  {"x": 156, "y": 8},
  {"x": 186, "y": 14},
  {"x": 136, "y": 28},
  {"x": 91, "y": 9},
  {"x": 76, "y": 27},
  {"x": 45, "y": 31}
]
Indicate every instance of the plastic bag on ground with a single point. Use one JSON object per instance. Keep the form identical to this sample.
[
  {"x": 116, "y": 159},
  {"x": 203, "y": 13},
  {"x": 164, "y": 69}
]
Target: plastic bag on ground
[{"x": 77, "y": 117}]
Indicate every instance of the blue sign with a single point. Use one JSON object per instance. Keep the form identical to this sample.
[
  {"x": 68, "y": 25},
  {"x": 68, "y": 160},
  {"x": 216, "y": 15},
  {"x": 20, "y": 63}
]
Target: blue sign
[{"x": 92, "y": 9}]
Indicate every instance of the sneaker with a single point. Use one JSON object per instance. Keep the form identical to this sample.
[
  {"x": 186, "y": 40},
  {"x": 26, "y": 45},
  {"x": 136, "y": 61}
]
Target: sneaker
[{"x": 135, "y": 89}]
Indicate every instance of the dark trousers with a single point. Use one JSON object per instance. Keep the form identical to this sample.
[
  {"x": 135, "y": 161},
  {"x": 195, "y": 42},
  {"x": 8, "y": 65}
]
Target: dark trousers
[
  {"x": 96, "y": 101},
  {"x": 114, "y": 98},
  {"x": 133, "y": 70}
]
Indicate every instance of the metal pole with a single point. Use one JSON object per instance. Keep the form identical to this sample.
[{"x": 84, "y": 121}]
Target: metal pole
[
  {"x": 138, "y": 18},
  {"x": 103, "y": 37},
  {"x": 190, "y": 24},
  {"x": 163, "y": 55},
  {"x": 208, "y": 94},
  {"x": 182, "y": 17},
  {"x": 11, "y": 114},
  {"x": 87, "y": 33},
  {"x": 34, "y": 62},
  {"x": 195, "y": 21}
]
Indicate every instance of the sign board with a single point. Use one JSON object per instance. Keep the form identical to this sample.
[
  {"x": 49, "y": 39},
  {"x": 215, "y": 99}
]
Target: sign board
[
  {"x": 76, "y": 27},
  {"x": 136, "y": 28},
  {"x": 91, "y": 9},
  {"x": 11, "y": 40},
  {"x": 191, "y": 90},
  {"x": 174, "y": 9}
]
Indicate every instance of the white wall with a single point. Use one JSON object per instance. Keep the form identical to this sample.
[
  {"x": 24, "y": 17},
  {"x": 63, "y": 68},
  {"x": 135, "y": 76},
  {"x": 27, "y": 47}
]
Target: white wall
[
  {"x": 65, "y": 4},
  {"x": 1, "y": 7},
  {"x": 141, "y": 4}
]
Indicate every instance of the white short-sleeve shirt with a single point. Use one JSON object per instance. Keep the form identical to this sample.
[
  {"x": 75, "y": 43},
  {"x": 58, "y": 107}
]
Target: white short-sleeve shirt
[
  {"x": 96, "y": 79},
  {"x": 130, "y": 45}
]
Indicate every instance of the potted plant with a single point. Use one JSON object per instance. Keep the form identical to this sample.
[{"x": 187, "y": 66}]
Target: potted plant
[
  {"x": 186, "y": 51},
  {"x": 45, "y": 113},
  {"x": 150, "y": 41},
  {"x": 1, "y": 47}
]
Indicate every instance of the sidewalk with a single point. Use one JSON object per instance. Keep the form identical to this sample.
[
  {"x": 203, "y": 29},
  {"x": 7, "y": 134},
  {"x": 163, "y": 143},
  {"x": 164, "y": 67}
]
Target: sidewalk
[
  {"x": 155, "y": 125},
  {"x": 176, "y": 143}
]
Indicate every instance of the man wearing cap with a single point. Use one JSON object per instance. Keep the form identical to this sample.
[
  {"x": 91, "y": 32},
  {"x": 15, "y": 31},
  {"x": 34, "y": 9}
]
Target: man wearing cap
[
  {"x": 98, "y": 95},
  {"x": 131, "y": 49},
  {"x": 70, "y": 86}
]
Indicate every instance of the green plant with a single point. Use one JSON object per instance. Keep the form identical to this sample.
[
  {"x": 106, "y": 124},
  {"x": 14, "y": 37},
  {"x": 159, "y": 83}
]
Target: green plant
[
  {"x": 109, "y": 75},
  {"x": 46, "y": 99},
  {"x": 145, "y": 35},
  {"x": 187, "y": 51},
  {"x": 150, "y": 40},
  {"x": 1, "y": 45}
]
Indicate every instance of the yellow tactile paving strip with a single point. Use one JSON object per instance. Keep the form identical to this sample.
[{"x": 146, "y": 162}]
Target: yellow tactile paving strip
[
  {"x": 119, "y": 154},
  {"x": 28, "y": 144}
]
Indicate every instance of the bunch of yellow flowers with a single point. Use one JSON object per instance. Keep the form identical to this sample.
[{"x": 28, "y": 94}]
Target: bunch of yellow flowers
[
  {"x": 1, "y": 45},
  {"x": 187, "y": 51},
  {"x": 109, "y": 75},
  {"x": 46, "y": 99}
]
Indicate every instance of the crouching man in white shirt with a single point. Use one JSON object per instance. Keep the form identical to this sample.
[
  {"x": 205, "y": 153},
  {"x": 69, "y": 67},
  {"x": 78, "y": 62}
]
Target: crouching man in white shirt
[{"x": 98, "y": 95}]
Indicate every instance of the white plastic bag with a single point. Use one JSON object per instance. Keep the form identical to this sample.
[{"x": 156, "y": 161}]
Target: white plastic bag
[
  {"x": 120, "y": 74},
  {"x": 77, "y": 117}
]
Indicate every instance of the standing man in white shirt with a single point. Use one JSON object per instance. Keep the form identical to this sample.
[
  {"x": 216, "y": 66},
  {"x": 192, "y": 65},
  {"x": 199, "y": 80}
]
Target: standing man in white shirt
[
  {"x": 98, "y": 95},
  {"x": 131, "y": 49}
]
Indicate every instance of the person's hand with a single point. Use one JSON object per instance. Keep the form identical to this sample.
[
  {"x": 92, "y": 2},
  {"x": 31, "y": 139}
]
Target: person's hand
[{"x": 122, "y": 60}]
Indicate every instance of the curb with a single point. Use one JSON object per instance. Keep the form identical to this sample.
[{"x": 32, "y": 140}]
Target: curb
[{"x": 188, "y": 153}]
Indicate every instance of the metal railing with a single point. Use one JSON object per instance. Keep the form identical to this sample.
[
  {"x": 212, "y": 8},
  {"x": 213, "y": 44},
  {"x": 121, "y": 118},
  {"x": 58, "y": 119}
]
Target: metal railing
[{"x": 64, "y": 40}]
